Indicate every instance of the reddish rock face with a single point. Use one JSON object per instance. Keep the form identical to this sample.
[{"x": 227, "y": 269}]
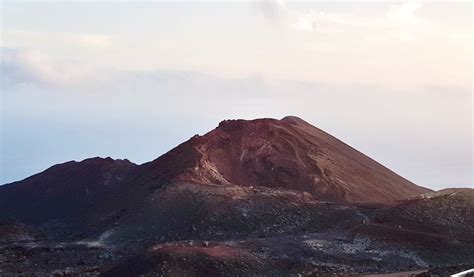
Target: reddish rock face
[{"x": 288, "y": 153}]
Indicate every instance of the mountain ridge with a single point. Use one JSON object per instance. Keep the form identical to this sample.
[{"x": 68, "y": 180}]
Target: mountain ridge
[
  {"x": 281, "y": 194},
  {"x": 284, "y": 154}
]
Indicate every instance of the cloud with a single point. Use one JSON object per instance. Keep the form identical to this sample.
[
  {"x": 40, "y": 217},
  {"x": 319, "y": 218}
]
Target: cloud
[
  {"x": 26, "y": 66},
  {"x": 303, "y": 20},
  {"x": 318, "y": 21},
  {"x": 272, "y": 9},
  {"x": 98, "y": 41},
  {"x": 91, "y": 41},
  {"x": 404, "y": 13},
  {"x": 32, "y": 66},
  {"x": 399, "y": 18}
]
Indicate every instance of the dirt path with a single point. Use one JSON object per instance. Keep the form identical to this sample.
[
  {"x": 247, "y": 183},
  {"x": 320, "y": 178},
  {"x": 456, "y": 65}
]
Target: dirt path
[{"x": 397, "y": 274}]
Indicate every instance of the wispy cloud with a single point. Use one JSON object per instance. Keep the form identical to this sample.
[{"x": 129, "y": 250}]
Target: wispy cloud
[
  {"x": 27, "y": 66},
  {"x": 91, "y": 41},
  {"x": 32, "y": 66},
  {"x": 404, "y": 13},
  {"x": 272, "y": 9},
  {"x": 397, "y": 17},
  {"x": 318, "y": 21},
  {"x": 307, "y": 20},
  {"x": 304, "y": 20},
  {"x": 99, "y": 41}
]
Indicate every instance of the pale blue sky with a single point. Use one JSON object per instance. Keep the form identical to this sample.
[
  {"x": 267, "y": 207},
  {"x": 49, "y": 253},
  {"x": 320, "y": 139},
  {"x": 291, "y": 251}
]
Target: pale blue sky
[{"x": 132, "y": 80}]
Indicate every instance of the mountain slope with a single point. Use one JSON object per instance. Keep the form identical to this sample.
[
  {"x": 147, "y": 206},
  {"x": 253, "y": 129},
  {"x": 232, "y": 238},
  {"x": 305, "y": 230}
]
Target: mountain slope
[
  {"x": 287, "y": 154},
  {"x": 438, "y": 225},
  {"x": 64, "y": 191},
  {"x": 448, "y": 212}
]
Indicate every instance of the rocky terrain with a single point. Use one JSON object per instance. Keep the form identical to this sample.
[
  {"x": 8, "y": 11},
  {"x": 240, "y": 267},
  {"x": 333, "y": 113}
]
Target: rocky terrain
[{"x": 259, "y": 197}]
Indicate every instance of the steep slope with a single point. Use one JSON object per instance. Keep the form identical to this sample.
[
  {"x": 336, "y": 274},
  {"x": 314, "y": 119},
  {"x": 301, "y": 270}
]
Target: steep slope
[
  {"x": 287, "y": 154},
  {"x": 64, "y": 191}
]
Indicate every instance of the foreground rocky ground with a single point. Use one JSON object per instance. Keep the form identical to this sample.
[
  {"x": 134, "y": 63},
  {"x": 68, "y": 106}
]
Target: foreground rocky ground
[{"x": 258, "y": 231}]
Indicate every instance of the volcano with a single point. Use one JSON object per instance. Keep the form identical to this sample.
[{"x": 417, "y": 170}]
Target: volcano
[
  {"x": 286, "y": 155},
  {"x": 289, "y": 154},
  {"x": 252, "y": 197}
]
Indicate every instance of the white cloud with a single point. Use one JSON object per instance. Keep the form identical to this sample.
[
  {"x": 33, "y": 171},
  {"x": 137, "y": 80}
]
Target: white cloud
[
  {"x": 399, "y": 17},
  {"x": 92, "y": 41},
  {"x": 27, "y": 66},
  {"x": 272, "y": 9},
  {"x": 32, "y": 66},
  {"x": 310, "y": 20},
  {"x": 404, "y": 13},
  {"x": 318, "y": 21},
  {"x": 98, "y": 41}
]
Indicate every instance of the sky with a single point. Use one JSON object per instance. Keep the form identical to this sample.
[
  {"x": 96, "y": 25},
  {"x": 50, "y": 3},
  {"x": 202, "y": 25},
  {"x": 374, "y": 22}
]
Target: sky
[{"x": 134, "y": 79}]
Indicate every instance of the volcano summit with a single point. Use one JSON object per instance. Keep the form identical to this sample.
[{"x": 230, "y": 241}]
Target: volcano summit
[{"x": 287, "y": 154}]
